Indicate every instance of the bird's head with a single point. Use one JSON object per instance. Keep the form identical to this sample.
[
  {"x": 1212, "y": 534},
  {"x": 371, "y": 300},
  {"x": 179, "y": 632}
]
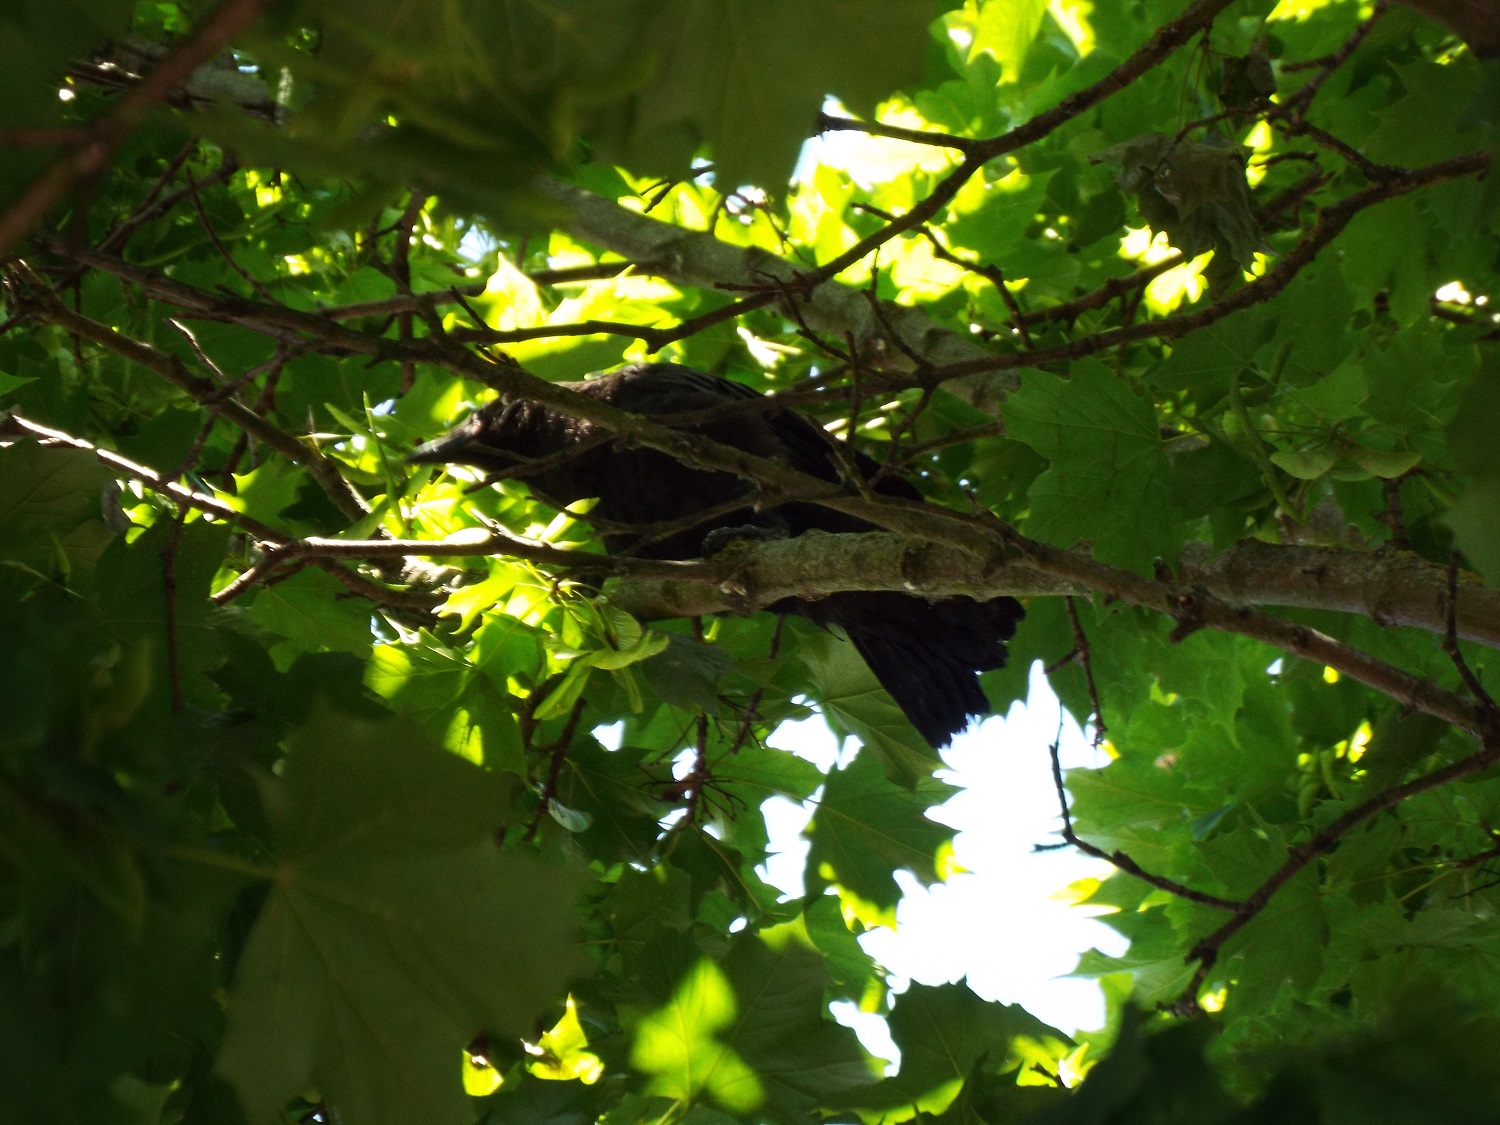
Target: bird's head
[{"x": 497, "y": 436}]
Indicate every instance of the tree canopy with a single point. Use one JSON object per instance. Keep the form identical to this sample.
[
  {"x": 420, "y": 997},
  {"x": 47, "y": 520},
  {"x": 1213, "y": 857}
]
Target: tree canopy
[{"x": 1178, "y": 314}]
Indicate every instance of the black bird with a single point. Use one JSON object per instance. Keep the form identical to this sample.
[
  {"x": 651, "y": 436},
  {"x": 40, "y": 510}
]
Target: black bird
[{"x": 927, "y": 654}]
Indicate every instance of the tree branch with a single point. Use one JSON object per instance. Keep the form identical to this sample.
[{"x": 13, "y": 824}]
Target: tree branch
[
  {"x": 91, "y": 154},
  {"x": 1330, "y": 223},
  {"x": 45, "y": 306}
]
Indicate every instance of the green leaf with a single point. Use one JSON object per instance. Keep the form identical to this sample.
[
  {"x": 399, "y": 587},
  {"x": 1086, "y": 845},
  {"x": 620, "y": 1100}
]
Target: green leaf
[
  {"x": 394, "y": 931},
  {"x": 686, "y": 673},
  {"x": 1386, "y": 463},
  {"x": 314, "y": 610},
  {"x": 746, "y": 78},
  {"x": 681, "y": 1045},
  {"x": 758, "y": 772},
  {"x": 1005, "y": 29},
  {"x": 1208, "y": 362},
  {"x": 9, "y": 382},
  {"x": 804, "y": 1060},
  {"x": 854, "y": 702},
  {"x": 992, "y": 217},
  {"x": 943, "y": 1034},
  {"x": 1307, "y": 464},
  {"x": 866, "y": 828},
  {"x": 134, "y": 604},
  {"x": 613, "y": 788},
  {"x": 50, "y": 506},
  {"x": 1108, "y": 477},
  {"x": 751, "y": 1035},
  {"x": 267, "y": 490},
  {"x": 453, "y": 701},
  {"x": 1287, "y": 936}
]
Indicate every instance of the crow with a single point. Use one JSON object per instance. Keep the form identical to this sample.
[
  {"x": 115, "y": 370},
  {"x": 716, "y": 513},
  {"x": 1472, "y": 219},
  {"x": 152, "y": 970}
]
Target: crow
[{"x": 926, "y": 654}]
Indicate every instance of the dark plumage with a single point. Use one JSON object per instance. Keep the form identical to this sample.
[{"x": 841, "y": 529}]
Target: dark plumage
[{"x": 927, "y": 654}]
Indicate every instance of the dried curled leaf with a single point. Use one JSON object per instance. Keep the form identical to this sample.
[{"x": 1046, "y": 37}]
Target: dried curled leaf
[{"x": 1194, "y": 191}]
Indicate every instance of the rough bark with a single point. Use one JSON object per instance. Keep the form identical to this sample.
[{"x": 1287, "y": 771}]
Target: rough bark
[
  {"x": 697, "y": 258},
  {"x": 1391, "y": 588}
]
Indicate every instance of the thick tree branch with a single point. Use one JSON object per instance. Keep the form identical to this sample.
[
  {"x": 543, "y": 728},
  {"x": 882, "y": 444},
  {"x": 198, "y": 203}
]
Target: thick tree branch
[
  {"x": 1391, "y": 588},
  {"x": 989, "y": 562},
  {"x": 752, "y": 584},
  {"x": 699, "y": 259}
]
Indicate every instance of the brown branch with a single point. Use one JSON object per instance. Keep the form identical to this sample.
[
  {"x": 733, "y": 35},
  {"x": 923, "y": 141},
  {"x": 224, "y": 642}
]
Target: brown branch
[
  {"x": 404, "y": 302},
  {"x": 558, "y": 748},
  {"x": 153, "y": 208},
  {"x": 459, "y": 294},
  {"x": 157, "y": 482},
  {"x": 1109, "y": 291},
  {"x": 13, "y": 423},
  {"x": 576, "y": 275},
  {"x": 1081, "y": 649},
  {"x": 262, "y": 406},
  {"x": 827, "y": 123},
  {"x": 492, "y": 541},
  {"x": 981, "y": 563},
  {"x": 44, "y": 305},
  {"x": 1391, "y": 588},
  {"x": 1450, "y": 639},
  {"x": 990, "y": 273},
  {"x": 1330, "y": 223},
  {"x": 1295, "y": 126},
  {"x": 1196, "y": 608},
  {"x": 654, "y": 338},
  {"x": 400, "y": 271},
  {"x": 1303, "y": 96},
  {"x": 1118, "y": 858},
  {"x": 1206, "y": 951},
  {"x": 213, "y": 236},
  {"x": 91, "y": 156}
]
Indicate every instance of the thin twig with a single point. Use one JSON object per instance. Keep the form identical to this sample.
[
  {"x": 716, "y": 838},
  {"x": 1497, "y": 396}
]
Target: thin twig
[
  {"x": 1450, "y": 640},
  {"x": 1118, "y": 858},
  {"x": 169, "y": 618},
  {"x": 827, "y": 123},
  {"x": 183, "y": 494},
  {"x": 558, "y": 748},
  {"x": 1206, "y": 951},
  {"x": 1081, "y": 649},
  {"x": 218, "y": 244},
  {"x": 991, "y": 273}
]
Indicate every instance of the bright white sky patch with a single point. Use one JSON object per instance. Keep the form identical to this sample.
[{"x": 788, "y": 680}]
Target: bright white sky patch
[{"x": 1002, "y": 925}]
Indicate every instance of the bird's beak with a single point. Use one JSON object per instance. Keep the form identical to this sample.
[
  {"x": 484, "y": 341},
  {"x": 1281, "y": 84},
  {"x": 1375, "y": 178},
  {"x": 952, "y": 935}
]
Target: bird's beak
[{"x": 450, "y": 449}]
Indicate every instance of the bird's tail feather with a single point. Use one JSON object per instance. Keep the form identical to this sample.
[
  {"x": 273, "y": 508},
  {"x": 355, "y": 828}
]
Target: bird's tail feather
[{"x": 928, "y": 655}]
